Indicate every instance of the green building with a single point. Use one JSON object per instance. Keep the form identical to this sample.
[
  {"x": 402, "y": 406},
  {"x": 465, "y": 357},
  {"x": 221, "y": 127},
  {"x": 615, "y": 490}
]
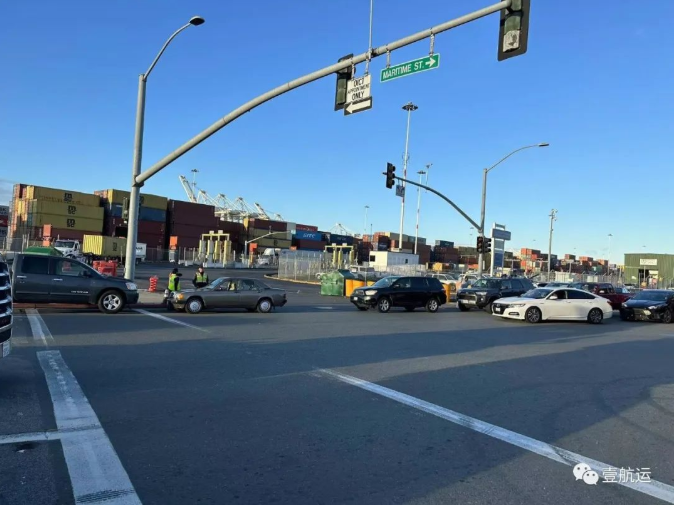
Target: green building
[{"x": 649, "y": 269}]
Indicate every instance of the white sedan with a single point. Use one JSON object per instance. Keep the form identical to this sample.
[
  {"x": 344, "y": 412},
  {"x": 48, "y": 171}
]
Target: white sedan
[{"x": 551, "y": 303}]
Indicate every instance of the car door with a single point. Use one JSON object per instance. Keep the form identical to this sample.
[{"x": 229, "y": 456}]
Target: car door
[
  {"x": 556, "y": 305},
  {"x": 32, "y": 281},
  {"x": 581, "y": 303},
  {"x": 68, "y": 282},
  {"x": 227, "y": 295},
  {"x": 418, "y": 294},
  {"x": 509, "y": 287},
  {"x": 248, "y": 293},
  {"x": 400, "y": 291}
]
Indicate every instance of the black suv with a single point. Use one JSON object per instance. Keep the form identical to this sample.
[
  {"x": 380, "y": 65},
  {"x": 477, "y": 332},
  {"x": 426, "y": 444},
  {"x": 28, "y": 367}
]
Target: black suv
[
  {"x": 407, "y": 292},
  {"x": 485, "y": 291}
]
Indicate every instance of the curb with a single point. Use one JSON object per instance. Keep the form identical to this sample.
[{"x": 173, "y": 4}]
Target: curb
[{"x": 275, "y": 278}]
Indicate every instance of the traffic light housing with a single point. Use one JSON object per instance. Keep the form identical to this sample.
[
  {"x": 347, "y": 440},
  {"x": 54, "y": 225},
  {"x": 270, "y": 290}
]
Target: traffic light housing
[
  {"x": 125, "y": 209},
  {"x": 389, "y": 181},
  {"x": 480, "y": 245},
  {"x": 513, "y": 37},
  {"x": 341, "y": 83},
  {"x": 487, "y": 244}
]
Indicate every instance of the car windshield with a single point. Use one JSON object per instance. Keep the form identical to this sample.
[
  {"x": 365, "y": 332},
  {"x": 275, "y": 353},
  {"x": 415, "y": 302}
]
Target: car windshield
[
  {"x": 653, "y": 296},
  {"x": 538, "y": 293},
  {"x": 487, "y": 283},
  {"x": 67, "y": 244},
  {"x": 385, "y": 282},
  {"x": 214, "y": 284}
]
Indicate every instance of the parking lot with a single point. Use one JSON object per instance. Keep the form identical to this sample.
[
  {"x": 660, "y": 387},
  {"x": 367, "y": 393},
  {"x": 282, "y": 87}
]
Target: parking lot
[{"x": 320, "y": 403}]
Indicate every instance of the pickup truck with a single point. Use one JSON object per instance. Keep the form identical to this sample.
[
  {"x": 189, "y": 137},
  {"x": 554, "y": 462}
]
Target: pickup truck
[
  {"x": 5, "y": 310},
  {"x": 39, "y": 278},
  {"x": 606, "y": 290}
]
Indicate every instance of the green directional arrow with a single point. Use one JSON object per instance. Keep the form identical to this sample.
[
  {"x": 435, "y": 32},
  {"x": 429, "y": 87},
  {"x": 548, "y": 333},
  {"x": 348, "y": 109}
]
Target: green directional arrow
[{"x": 410, "y": 67}]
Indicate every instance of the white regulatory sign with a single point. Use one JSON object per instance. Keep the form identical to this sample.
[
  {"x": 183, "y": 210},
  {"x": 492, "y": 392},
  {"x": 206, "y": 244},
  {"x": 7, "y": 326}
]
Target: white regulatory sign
[{"x": 358, "y": 89}]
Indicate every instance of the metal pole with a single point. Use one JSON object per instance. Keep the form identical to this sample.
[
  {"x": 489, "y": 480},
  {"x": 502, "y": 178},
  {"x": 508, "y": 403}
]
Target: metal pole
[
  {"x": 408, "y": 107},
  {"x": 301, "y": 81},
  {"x": 417, "y": 218},
  {"x": 483, "y": 219},
  {"x": 610, "y": 236},
  {"x": 135, "y": 194},
  {"x": 368, "y": 60},
  {"x": 552, "y": 218}
]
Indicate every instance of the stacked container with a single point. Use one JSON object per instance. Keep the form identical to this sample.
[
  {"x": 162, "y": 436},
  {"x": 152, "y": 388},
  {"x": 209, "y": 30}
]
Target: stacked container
[
  {"x": 152, "y": 216},
  {"x": 308, "y": 240},
  {"x": 256, "y": 228},
  {"x": 69, "y": 214},
  {"x": 4, "y": 223}
]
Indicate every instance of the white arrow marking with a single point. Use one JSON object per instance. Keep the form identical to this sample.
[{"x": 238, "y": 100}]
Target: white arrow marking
[
  {"x": 430, "y": 62},
  {"x": 357, "y": 106}
]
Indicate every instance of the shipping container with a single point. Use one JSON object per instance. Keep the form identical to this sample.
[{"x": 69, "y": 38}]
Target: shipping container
[
  {"x": 255, "y": 233},
  {"x": 4, "y": 210},
  {"x": 4, "y": 221},
  {"x": 340, "y": 239},
  {"x": 75, "y": 223},
  {"x": 48, "y": 231},
  {"x": 111, "y": 224},
  {"x": 274, "y": 242},
  {"x": 63, "y": 209},
  {"x": 181, "y": 212},
  {"x": 264, "y": 224},
  {"x": 308, "y": 235},
  {"x": 61, "y": 195},
  {"x": 306, "y": 227},
  {"x": 146, "y": 200},
  {"x": 152, "y": 214},
  {"x": 309, "y": 245},
  {"x": 443, "y": 243},
  {"x": 4, "y": 232},
  {"x": 103, "y": 246},
  {"x": 151, "y": 239}
]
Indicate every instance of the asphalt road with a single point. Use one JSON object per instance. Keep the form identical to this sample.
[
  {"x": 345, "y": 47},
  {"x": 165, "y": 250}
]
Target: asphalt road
[{"x": 318, "y": 403}]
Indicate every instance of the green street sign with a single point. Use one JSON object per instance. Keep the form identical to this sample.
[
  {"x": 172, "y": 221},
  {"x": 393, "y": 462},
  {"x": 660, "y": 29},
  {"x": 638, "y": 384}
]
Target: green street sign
[{"x": 410, "y": 67}]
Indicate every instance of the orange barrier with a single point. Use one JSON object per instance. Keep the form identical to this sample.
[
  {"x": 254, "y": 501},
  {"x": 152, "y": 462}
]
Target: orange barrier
[{"x": 153, "y": 284}]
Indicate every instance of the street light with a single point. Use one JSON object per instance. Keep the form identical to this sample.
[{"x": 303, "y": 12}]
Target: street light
[
  {"x": 483, "y": 193},
  {"x": 134, "y": 197},
  {"x": 409, "y": 107}
]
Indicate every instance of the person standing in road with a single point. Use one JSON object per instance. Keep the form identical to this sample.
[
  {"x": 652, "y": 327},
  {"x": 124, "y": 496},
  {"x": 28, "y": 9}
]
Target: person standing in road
[
  {"x": 201, "y": 279},
  {"x": 174, "y": 280}
]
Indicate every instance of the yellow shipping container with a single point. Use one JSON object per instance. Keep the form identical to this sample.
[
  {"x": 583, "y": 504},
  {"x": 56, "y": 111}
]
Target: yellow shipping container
[
  {"x": 61, "y": 195},
  {"x": 151, "y": 201},
  {"x": 64, "y": 209},
  {"x": 63, "y": 222},
  {"x": 99, "y": 245}
]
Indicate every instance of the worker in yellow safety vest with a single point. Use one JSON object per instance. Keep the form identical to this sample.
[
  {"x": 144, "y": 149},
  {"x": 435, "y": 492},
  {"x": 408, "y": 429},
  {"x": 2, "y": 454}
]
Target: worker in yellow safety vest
[
  {"x": 201, "y": 279},
  {"x": 174, "y": 280}
]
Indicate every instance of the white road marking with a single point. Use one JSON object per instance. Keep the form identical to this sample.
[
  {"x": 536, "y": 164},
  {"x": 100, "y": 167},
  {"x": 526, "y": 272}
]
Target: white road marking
[
  {"x": 96, "y": 473},
  {"x": 42, "y": 436},
  {"x": 653, "y": 488},
  {"x": 170, "y": 320},
  {"x": 325, "y": 308},
  {"x": 39, "y": 328}
]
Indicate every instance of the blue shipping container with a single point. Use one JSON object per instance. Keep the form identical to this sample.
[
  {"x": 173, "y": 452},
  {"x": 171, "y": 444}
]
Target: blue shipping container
[
  {"x": 150, "y": 214},
  {"x": 308, "y": 235},
  {"x": 341, "y": 239},
  {"x": 113, "y": 210}
]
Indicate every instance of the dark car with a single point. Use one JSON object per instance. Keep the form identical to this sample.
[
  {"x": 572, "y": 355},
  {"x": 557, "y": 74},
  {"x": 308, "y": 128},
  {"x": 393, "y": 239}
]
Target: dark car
[
  {"x": 407, "y": 292},
  {"x": 228, "y": 293},
  {"x": 5, "y": 310},
  {"x": 606, "y": 290},
  {"x": 485, "y": 291},
  {"x": 649, "y": 305},
  {"x": 39, "y": 278}
]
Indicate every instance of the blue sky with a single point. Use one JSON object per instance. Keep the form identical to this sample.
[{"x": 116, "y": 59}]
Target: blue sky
[{"x": 597, "y": 83}]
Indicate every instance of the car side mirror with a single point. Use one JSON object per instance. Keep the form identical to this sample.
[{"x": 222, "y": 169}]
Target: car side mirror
[{"x": 86, "y": 273}]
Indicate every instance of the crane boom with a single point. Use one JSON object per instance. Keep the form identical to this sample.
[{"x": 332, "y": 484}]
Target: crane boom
[{"x": 188, "y": 189}]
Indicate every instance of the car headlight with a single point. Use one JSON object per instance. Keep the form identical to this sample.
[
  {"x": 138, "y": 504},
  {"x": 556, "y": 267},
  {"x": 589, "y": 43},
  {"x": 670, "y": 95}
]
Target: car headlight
[
  {"x": 370, "y": 292},
  {"x": 131, "y": 286},
  {"x": 652, "y": 307},
  {"x": 515, "y": 305},
  {"x": 179, "y": 296},
  {"x": 624, "y": 305}
]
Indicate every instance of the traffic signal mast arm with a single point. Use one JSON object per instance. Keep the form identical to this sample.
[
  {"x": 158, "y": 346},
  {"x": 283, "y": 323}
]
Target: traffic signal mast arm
[
  {"x": 448, "y": 200},
  {"x": 301, "y": 81}
]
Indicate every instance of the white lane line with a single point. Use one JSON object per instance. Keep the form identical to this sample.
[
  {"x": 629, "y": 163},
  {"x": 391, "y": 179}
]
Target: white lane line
[
  {"x": 170, "y": 320},
  {"x": 96, "y": 473},
  {"x": 653, "y": 488},
  {"x": 325, "y": 308},
  {"x": 41, "y": 436},
  {"x": 40, "y": 331}
]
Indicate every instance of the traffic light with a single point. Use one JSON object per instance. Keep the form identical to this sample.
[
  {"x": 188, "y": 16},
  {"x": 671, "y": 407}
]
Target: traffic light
[
  {"x": 513, "y": 37},
  {"x": 487, "y": 244},
  {"x": 125, "y": 209},
  {"x": 389, "y": 181},
  {"x": 480, "y": 245},
  {"x": 341, "y": 83}
]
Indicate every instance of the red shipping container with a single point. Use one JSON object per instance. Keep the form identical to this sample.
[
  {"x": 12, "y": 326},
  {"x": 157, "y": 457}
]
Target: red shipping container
[
  {"x": 306, "y": 227},
  {"x": 313, "y": 245},
  {"x": 116, "y": 227},
  {"x": 48, "y": 231},
  {"x": 193, "y": 230},
  {"x": 180, "y": 212},
  {"x": 4, "y": 221},
  {"x": 264, "y": 224},
  {"x": 151, "y": 239}
]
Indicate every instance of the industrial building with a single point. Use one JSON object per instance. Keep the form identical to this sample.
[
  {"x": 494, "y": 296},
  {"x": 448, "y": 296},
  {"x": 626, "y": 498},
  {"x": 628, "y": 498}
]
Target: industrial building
[{"x": 650, "y": 270}]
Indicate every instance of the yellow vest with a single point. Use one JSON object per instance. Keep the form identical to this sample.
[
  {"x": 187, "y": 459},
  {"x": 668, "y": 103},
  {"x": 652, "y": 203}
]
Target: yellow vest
[
  {"x": 201, "y": 277},
  {"x": 173, "y": 282}
]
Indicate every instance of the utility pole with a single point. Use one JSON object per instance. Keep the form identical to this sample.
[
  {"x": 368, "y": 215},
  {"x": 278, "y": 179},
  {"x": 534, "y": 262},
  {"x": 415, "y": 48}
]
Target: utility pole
[
  {"x": 417, "y": 218},
  {"x": 552, "y": 218},
  {"x": 366, "y": 215},
  {"x": 409, "y": 107},
  {"x": 610, "y": 236}
]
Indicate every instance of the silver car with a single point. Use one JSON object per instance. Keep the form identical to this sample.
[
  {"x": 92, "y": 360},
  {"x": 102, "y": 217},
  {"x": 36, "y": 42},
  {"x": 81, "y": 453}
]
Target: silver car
[{"x": 228, "y": 293}]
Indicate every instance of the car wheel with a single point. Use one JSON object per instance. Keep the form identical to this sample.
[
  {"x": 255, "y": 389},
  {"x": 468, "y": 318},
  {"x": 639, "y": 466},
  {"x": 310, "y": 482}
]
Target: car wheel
[
  {"x": 194, "y": 305},
  {"x": 384, "y": 304},
  {"x": 363, "y": 309},
  {"x": 264, "y": 306},
  {"x": 432, "y": 305},
  {"x": 111, "y": 302},
  {"x": 668, "y": 317},
  {"x": 489, "y": 307},
  {"x": 533, "y": 315},
  {"x": 409, "y": 309},
  {"x": 595, "y": 316},
  {"x": 462, "y": 307}
]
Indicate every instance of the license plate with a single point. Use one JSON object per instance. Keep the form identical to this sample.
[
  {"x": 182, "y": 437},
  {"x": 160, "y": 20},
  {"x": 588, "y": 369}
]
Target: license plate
[
  {"x": 6, "y": 348},
  {"x": 497, "y": 310},
  {"x": 468, "y": 302}
]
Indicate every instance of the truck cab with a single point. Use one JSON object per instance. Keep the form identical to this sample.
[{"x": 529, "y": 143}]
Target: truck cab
[{"x": 69, "y": 248}]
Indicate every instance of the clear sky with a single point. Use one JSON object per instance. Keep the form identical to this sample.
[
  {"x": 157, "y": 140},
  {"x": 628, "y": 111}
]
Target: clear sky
[{"x": 597, "y": 83}]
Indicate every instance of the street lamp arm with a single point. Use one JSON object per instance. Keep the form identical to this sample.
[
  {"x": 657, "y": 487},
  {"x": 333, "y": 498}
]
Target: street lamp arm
[
  {"x": 512, "y": 153},
  {"x": 164, "y": 47}
]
